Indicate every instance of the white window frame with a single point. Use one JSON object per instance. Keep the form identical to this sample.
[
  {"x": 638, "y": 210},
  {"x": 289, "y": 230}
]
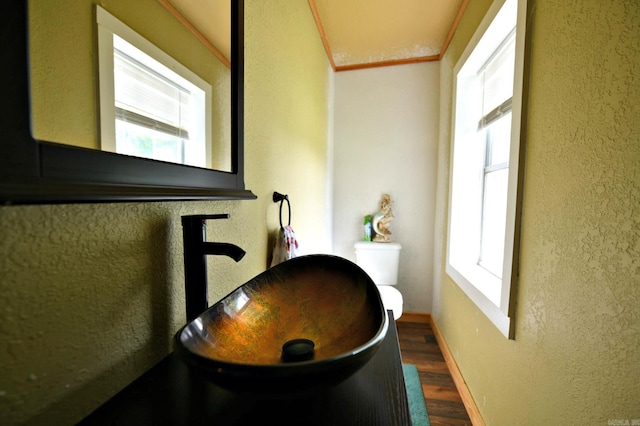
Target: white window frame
[
  {"x": 494, "y": 296},
  {"x": 108, "y": 26}
]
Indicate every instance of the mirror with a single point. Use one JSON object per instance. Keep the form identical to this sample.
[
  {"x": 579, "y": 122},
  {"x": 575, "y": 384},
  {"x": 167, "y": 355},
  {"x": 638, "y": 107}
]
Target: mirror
[
  {"x": 171, "y": 94},
  {"x": 35, "y": 170}
]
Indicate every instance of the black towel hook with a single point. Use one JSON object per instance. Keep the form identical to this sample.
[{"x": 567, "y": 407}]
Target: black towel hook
[{"x": 277, "y": 197}]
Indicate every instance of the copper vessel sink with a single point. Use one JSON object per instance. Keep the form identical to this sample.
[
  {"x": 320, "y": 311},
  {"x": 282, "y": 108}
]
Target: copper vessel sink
[{"x": 309, "y": 322}]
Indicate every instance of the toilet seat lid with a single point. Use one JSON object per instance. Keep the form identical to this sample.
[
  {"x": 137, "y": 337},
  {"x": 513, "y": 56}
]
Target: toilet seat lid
[
  {"x": 391, "y": 299},
  {"x": 391, "y": 293}
]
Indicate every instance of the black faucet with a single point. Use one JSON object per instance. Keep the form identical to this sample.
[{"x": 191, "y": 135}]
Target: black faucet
[{"x": 196, "y": 249}]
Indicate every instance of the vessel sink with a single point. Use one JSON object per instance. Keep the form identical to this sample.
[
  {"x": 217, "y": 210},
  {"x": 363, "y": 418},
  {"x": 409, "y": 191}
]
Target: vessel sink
[{"x": 306, "y": 323}]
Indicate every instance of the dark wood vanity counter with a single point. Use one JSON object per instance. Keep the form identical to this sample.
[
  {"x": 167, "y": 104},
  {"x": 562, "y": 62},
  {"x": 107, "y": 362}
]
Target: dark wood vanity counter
[{"x": 171, "y": 394}]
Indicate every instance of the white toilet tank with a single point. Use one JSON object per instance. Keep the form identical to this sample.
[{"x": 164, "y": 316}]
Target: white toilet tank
[{"x": 379, "y": 260}]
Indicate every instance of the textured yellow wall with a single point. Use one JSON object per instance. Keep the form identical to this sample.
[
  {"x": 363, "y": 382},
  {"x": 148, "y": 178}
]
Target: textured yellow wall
[
  {"x": 576, "y": 357},
  {"x": 92, "y": 294}
]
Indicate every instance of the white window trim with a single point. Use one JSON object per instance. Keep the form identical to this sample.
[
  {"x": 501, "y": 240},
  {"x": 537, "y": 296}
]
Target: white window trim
[
  {"x": 108, "y": 25},
  {"x": 469, "y": 278}
]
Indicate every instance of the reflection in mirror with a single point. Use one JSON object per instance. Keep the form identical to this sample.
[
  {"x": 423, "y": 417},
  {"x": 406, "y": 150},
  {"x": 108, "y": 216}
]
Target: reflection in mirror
[
  {"x": 208, "y": 20},
  {"x": 39, "y": 171},
  {"x": 67, "y": 99},
  {"x": 150, "y": 105}
]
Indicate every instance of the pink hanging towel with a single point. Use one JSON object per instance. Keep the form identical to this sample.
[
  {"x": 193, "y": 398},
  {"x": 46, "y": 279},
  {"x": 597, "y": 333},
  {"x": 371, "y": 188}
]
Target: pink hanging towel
[{"x": 285, "y": 246}]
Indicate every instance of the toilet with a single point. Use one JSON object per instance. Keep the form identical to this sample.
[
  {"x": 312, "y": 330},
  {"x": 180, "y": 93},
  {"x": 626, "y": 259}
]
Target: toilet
[{"x": 380, "y": 262}]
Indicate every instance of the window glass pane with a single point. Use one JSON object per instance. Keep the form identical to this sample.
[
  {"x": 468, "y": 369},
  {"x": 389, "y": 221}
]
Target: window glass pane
[
  {"x": 493, "y": 220},
  {"x": 499, "y": 139},
  {"x": 498, "y": 76},
  {"x": 141, "y": 141},
  {"x": 157, "y": 110}
]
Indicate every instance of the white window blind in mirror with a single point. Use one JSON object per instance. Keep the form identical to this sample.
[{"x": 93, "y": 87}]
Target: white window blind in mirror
[{"x": 150, "y": 107}]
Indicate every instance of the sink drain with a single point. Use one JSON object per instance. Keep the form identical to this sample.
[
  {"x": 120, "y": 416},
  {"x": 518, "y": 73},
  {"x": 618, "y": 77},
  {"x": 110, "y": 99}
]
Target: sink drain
[{"x": 297, "y": 350}]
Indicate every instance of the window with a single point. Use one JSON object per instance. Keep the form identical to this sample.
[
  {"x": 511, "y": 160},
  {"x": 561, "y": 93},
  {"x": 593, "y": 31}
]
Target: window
[
  {"x": 485, "y": 168},
  {"x": 150, "y": 105}
]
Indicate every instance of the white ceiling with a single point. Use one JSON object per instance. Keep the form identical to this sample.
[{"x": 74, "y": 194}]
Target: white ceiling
[
  {"x": 355, "y": 33},
  {"x": 365, "y": 33}
]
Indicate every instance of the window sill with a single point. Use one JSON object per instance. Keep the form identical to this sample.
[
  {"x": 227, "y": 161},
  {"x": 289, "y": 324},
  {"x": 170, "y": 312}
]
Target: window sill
[{"x": 483, "y": 289}]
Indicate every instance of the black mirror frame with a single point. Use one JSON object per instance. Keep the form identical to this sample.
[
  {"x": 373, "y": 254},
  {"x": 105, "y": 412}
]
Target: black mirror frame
[{"x": 40, "y": 172}]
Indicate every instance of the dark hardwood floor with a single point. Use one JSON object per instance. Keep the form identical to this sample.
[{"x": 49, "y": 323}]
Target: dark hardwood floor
[{"x": 418, "y": 346}]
